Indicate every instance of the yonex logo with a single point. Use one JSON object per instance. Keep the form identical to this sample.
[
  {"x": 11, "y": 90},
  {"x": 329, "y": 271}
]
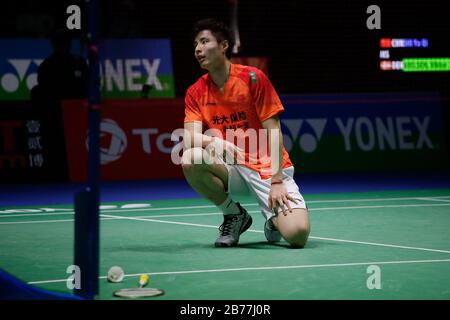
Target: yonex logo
[
  {"x": 307, "y": 141},
  {"x": 395, "y": 133},
  {"x": 127, "y": 74},
  {"x": 10, "y": 82},
  {"x": 117, "y": 141}
]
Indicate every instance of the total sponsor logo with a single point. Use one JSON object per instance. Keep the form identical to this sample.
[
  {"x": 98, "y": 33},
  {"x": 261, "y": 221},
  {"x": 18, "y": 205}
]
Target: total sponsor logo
[
  {"x": 22, "y": 75},
  {"x": 115, "y": 140},
  {"x": 366, "y": 134}
]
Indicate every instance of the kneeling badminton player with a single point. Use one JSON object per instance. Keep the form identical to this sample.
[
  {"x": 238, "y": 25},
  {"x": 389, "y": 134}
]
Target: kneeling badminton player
[{"x": 236, "y": 100}]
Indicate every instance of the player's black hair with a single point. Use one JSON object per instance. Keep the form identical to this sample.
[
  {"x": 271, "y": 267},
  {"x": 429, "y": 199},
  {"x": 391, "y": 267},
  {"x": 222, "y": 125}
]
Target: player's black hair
[{"x": 219, "y": 29}]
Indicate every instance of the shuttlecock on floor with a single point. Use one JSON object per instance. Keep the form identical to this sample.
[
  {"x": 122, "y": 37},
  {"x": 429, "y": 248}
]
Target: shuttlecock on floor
[{"x": 115, "y": 274}]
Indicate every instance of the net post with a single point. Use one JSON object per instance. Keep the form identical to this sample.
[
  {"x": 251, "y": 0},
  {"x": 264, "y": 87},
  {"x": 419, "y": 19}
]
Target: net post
[{"x": 87, "y": 202}]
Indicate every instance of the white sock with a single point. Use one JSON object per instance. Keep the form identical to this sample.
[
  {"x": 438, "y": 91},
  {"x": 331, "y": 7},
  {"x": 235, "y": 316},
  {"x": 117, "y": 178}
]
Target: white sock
[{"x": 229, "y": 207}]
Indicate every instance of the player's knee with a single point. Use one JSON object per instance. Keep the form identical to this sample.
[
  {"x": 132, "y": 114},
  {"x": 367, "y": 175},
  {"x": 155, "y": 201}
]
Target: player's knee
[
  {"x": 191, "y": 157},
  {"x": 297, "y": 236}
]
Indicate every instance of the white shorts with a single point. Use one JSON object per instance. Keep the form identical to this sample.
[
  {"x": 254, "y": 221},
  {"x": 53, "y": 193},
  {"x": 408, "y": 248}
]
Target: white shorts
[{"x": 243, "y": 181}]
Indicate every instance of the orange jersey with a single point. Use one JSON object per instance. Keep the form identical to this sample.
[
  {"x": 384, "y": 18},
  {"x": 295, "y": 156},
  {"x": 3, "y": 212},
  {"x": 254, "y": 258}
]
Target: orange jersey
[{"x": 248, "y": 99}]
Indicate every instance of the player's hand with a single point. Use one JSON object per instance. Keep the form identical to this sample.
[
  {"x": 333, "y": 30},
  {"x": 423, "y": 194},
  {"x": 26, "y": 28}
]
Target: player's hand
[
  {"x": 279, "y": 198},
  {"x": 226, "y": 150}
]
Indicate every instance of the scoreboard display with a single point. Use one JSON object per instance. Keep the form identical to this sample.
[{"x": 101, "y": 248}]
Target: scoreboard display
[{"x": 411, "y": 55}]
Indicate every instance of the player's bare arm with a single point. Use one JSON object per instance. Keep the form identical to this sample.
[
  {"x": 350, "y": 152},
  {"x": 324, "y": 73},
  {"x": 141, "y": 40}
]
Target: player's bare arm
[
  {"x": 194, "y": 137},
  {"x": 278, "y": 196}
]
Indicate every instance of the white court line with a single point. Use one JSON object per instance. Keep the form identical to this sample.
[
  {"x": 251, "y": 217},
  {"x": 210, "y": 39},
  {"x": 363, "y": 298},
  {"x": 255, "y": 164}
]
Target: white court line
[
  {"x": 375, "y": 199},
  {"x": 311, "y": 237},
  {"x": 42, "y": 221},
  {"x": 248, "y": 204},
  {"x": 307, "y": 266},
  {"x": 384, "y": 206},
  {"x": 123, "y": 210},
  {"x": 34, "y": 214},
  {"x": 434, "y": 199},
  {"x": 5, "y": 215},
  {"x": 115, "y": 218},
  {"x": 213, "y": 206},
  {"x": 218, "y": 213},
  {"x": 72, "y": 213},
  {"x": 381, "y": 244}
]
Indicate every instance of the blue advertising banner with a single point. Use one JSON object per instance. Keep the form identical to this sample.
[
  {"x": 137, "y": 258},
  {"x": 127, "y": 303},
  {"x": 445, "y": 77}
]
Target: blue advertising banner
[
  {"x": 130, "y": 68},
  {"x": 364, "y": 132},
  {"x": 19, "y": 62}
]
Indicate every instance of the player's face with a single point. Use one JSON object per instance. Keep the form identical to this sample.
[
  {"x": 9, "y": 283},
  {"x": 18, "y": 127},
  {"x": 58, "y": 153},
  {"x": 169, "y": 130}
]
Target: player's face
[{"x": 208, "y": 51}]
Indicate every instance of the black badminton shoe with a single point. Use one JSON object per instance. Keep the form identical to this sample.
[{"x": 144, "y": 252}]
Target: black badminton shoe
[{"x": 232, "y": 227}]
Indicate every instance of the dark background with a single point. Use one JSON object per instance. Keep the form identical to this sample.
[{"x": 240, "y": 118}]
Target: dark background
[
  {"x": 320, "y": 46},
  {"x": 312, "y": 46}
]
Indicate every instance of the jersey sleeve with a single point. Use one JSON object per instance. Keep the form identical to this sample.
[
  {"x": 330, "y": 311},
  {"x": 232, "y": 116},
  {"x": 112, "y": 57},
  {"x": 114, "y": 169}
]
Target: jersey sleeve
[
  {"x": 191, "y": 109},
  {"x": 266, "y": 100}
]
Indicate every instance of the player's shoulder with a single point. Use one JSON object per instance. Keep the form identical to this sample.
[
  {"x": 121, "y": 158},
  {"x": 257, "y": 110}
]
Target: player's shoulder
[
  {"x": 248, "y": 74},
  {"x": 246, "y": 68},
  {"x": 199, "y": 86}
]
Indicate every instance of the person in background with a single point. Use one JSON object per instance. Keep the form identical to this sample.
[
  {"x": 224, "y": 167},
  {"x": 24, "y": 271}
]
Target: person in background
[{"x": 62, "y": 75}]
